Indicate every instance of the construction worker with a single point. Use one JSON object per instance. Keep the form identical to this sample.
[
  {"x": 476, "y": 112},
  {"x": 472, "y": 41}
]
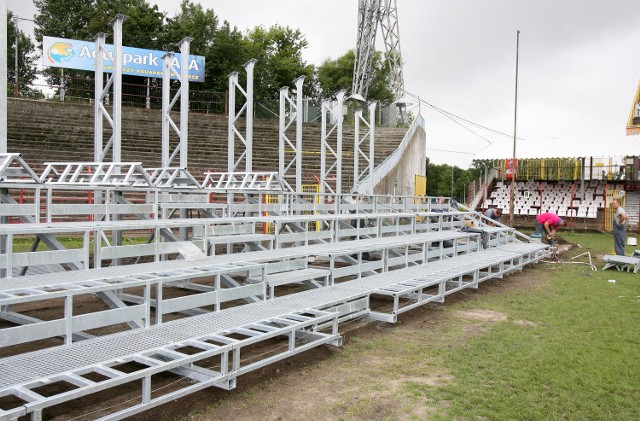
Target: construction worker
[
  {"x": 619, "y": 227},
  {"x": 493, "y": 214},
  {"x": 547, "y": 224}
]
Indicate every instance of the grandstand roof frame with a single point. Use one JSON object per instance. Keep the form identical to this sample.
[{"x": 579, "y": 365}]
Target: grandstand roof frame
[{"x": 564, "y": 148}]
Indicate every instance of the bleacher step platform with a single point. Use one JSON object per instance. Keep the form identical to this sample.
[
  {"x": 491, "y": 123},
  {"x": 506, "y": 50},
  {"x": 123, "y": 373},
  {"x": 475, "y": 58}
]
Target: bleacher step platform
[{"x": 302, "y": 320}]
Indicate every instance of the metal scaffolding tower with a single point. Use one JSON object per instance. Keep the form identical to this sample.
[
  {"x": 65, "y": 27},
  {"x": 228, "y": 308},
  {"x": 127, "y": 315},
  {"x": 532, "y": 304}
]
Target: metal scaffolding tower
[
  {"x": 246, "y": 155},
  {"x": 100, "y": 151},
  {"x": 363, "y": 151},
  {"x": 331, "y": 152},
  {"x": 168, "y": 102},
  {"x": 291, "y": 112},
  {"x": 370, "y": 14}
]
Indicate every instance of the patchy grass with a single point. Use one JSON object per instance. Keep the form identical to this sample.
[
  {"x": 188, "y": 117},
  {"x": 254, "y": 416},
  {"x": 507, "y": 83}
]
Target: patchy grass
[
  {"x": 24, "y": 244},
  {"x": 574, "y": 359}
]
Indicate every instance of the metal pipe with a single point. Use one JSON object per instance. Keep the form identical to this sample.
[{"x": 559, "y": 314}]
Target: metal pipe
[
  {"x": 15, "y": 76},
  {"x": 184, "y": 101},
  {"x": 98, "y": 97},
  {"x": 514, "y": 167},
  {"x": 3, "y": 77},
  {"x": 117, "y": 88}
]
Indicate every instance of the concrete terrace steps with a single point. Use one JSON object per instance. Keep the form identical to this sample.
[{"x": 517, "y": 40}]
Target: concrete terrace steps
[{"x": 49, "y": 131}]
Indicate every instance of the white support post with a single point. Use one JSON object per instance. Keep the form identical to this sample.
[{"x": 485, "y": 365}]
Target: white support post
[
  {"x": 98, "y": 98},
  {"x": 169, "y": 69},
  {"x": 299, "y": 82},
  {"x": 372, "y": 139},
  {"x": 282, "y": 135},
  {"x": 231, "y": 136},
  {"x": 117, "y": 88},
  {"x": 360, "y": 154},
  {"x": 339, "y": 118},
  {"x": 184, "y": 100},
  {"x": 249, "y": 66},
  {"x": 246, "y": 110},
  {"x": 3, "y": 76},
  {"x": 331, "y": 154},
  {"x": 166, "y": 108},
  {"x": 324, "y": 109},
  {"x": 290, "y": 112}
]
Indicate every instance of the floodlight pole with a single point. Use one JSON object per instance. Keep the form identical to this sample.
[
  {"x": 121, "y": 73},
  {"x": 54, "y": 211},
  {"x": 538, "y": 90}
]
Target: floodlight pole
[{"x": 514, "y": 167}]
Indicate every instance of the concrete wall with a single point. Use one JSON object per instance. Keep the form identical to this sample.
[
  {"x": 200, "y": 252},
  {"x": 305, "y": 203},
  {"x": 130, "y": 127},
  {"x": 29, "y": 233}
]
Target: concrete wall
[{"x": 401, "y": 180}]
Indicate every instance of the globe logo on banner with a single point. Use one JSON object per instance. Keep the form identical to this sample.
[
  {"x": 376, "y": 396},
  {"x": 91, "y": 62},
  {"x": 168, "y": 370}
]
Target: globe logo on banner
[{"x": 60, "y": 52}]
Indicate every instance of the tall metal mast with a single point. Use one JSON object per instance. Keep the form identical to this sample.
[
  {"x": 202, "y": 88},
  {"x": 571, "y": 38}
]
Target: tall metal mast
[{"x": 372, "y": 13}]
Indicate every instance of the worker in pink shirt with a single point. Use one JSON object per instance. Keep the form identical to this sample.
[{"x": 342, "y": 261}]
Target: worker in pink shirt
[{"x": 547, "y": 224}]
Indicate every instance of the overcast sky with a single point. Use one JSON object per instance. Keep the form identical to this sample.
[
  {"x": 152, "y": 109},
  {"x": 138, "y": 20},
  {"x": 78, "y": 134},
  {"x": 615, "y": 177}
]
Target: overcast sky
[{"x": 579, "y": 61}]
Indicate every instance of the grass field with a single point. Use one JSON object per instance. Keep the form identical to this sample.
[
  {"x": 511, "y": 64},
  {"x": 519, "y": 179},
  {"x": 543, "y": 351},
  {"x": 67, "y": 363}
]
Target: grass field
[{"x": 568, "y": 348}]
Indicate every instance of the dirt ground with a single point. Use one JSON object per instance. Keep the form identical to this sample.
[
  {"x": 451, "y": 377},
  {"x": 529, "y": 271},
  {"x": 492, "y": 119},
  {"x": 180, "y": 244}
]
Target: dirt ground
[{"x": 313, "y": 385}]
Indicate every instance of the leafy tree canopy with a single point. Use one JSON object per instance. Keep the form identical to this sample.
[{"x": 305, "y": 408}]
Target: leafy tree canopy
[
  {"x": 278, "y": 50},
  {"x": 337, "y": 74}
]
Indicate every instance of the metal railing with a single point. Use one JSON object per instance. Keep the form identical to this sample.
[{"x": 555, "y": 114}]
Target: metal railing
[{"x": 381, "y": 171}]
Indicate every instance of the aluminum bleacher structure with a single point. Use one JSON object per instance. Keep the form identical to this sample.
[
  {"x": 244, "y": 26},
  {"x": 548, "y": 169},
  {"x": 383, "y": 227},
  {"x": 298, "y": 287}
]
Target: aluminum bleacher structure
[
  {"x": 188, "y": 303},
  {"x": 233, "y": 272},
  {"x": 199, "y": 314},
  {"x": 208, "y": 349}
]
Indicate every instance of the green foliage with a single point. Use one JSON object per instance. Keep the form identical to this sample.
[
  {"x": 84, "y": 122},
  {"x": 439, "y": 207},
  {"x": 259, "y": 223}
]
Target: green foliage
[
  {"x": 334, "y": 75},
  {"x": 63, "y": 18},
  {"x": 337, "y": 74},
  {"x": 27, "y": 57},
  {"x": 278, "y": 50},
  {"x": 142, "y": 27},
  {"x": 227, "y": 54},
  {"x": 193, "y": 21},
  {"x": 439, "y": 180}
]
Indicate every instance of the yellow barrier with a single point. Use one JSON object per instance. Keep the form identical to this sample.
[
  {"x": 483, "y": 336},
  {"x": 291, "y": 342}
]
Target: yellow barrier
[{"x": 269, "y": 228}]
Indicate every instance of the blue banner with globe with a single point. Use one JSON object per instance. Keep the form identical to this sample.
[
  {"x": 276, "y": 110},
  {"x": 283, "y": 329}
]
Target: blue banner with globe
[{"x": 80, "y": 55}]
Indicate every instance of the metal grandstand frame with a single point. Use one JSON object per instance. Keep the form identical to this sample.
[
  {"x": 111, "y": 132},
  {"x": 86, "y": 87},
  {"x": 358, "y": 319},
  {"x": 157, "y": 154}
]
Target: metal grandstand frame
[
  {"x": 208, "y": 350},
  {"x": 331, "y": 153},
  {"x": 233, "y": 131},
  {"x": 102, "y": 94},
  {"x": 291, "y": 112},
  {"x": 359, "y": 152},
  {"x": 168, "y": 124}
]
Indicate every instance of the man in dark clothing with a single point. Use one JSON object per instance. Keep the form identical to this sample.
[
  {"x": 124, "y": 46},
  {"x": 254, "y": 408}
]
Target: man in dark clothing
[
  {"x": 619, "y": 227},
  {"x": 493, "y": 214}
]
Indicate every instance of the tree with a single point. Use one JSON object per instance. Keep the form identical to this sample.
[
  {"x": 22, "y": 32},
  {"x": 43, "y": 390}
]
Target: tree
[
  {"x": 193, "y": 21},
  {"x": 334, "y": 75},
  {"x": 141, "y": 29},
  {"x": 439, "y": 180},
  {"x": 227, "y": 54},
  {"x": 279, "y": 54},
  {"x": 63, "y": 18},
  {"x": 223, "y": 47},
  {"x": 27, "y": 57}
]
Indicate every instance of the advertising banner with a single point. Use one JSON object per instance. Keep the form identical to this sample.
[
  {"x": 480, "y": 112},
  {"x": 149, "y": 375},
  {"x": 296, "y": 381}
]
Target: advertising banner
[{"x": 80, "y": 55}]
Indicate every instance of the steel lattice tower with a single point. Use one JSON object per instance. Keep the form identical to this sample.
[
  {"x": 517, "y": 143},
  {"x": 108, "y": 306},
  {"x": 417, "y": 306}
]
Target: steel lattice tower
[{"x": 371, "y": 14}]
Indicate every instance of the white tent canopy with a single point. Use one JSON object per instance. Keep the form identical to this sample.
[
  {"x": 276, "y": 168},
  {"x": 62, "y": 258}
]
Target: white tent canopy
[{"x": 563, "y": 148}]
